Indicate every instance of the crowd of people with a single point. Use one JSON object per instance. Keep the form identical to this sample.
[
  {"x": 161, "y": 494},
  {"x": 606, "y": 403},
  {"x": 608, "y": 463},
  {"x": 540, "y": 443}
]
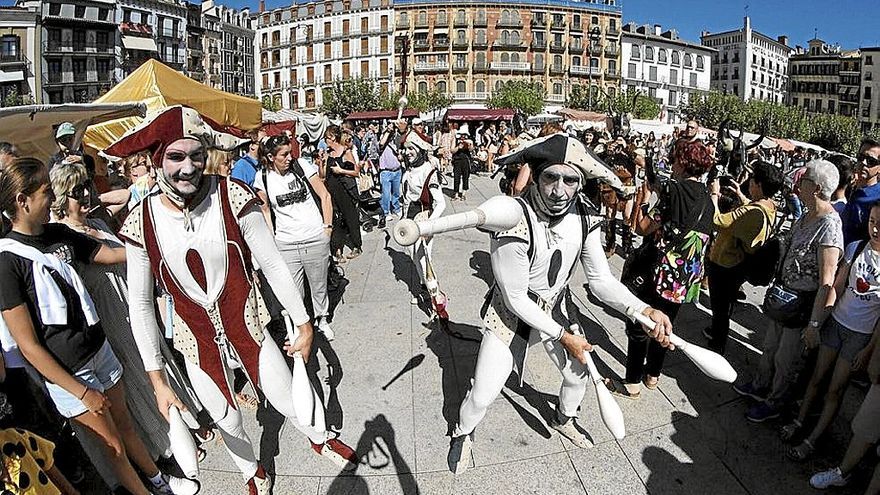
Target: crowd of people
[{"x": 199, "y": 264}]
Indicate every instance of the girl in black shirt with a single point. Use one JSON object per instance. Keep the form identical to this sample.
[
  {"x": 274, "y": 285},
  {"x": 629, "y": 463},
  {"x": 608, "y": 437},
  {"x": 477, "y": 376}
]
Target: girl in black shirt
[{"x": 81, "y": 372}]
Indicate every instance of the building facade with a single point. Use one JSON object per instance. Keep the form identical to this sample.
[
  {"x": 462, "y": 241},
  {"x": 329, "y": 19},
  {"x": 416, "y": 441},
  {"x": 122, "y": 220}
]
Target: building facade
[
  {"x": 307, "y": 46},
  {"x": 814, "y": 77},
  {"x": 152, "y": 29},
  {"x": 77, "y": 42},
  {"x": 18, "y": 52},
  {"x": 749, "y": 64},
  {"x": 869, "y": 107},
  {"x": 195, "y": 41},
  {"x": 849, "y": 88},
  {"x": 212, "y": 45},
  {"x": 664, "y": 67},
  {"x": 468, "y": 49},
  {"x": 236, "y": 47}
]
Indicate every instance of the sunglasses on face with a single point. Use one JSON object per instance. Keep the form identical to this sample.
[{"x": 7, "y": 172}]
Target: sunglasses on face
[
  {"x": 868, "y": 160},
  {"x": 81, "y": 191}
]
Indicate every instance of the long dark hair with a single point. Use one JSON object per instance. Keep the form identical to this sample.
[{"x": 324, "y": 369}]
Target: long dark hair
[{"x": 24, "y": 176}]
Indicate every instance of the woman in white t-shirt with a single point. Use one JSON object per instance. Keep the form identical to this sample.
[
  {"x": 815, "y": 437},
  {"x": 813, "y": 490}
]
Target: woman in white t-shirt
[
  {"x": 848, "y": 338},
  {"x": 288, "y": 190}
]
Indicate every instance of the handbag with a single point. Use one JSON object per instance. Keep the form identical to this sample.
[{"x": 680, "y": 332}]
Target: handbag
[
  {"x": 365, "y": 182},
  {"x": 790, "y": 308}
]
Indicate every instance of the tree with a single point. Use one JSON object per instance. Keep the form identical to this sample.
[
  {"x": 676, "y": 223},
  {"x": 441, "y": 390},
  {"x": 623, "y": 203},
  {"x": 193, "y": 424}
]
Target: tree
[
  {"x": 634, "y": 102},
  {"x": 345, "y": 96},
  {"x": 525, "y": 96},
  {"x": 13, "y": 99},
  {"x": 270, "y": 104},
  {"x": 585, "y": 98}
]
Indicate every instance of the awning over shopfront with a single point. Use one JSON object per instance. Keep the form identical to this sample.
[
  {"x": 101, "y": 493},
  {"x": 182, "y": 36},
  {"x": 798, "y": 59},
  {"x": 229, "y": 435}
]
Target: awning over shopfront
[
  {"x": 382, "y": 114},
  {"x": 469, "y": 114},
  {"x": 139, "y": 43}
]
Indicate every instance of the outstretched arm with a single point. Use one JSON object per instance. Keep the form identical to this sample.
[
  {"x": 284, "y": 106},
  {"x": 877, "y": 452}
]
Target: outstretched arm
[{"x": 438, "y": 199}]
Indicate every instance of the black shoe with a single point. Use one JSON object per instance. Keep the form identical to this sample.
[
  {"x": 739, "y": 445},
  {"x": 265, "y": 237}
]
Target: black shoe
[{"x": 382, "y": 222}]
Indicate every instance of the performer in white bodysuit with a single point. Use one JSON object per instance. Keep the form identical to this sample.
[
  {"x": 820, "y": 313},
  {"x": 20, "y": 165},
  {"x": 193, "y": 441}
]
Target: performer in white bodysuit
[
  {"x": 424, "y": 199},
  {"x": 197, "y": 236},
  {"x": 532, "y": 264}
]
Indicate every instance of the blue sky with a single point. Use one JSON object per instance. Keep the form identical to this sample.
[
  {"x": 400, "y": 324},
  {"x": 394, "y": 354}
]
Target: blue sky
[{"x": 851, "y": 23}]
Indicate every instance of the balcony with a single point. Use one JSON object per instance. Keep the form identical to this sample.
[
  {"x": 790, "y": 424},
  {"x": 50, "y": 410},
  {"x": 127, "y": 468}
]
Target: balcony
[
  {"x": 557, "y": 46},
  {"x": 612, "y": 31},
  {"x": 538, "y": 68},
  {"x": 470, "y": 96},
  {"x": 168, "y": 33},
  {"x": 421, "y": 24},
  {"x": 557, "y": 24},
  {"x": 54, "y": 78},
  {"x": 459, "y": 68},
  {"x": 583, "y": 70},
  {"x": 510, "y": 23},
  {"x": 612, "y": 73},
  {"x": 478, "y": 22},
  {"x": 555, "y": 98},
  {"x": 539, "y": 45},
  {"x": 13, "y": 60},
  {"x": 421, "y": 44},
  {"x": 462, "y": 22},
  {"x": 510, "y": 66},
  {"x": 539, "y": 22},
  {"x": 509, "y": 45},
  {"x": 441, "y": 43},
  {"x": 431, "y": 67},
  {"x": 81, "y": 76},
  {"x": 556, "y": 70},
  {"x": 576, "y": 47},
  {"x": 460, "y": 44},
  {"x": 596, "y": 48},
  {"x": 611, "y": 51},
  {"x": 481, "y": 67},
  {"x": 576, "y": 27}
]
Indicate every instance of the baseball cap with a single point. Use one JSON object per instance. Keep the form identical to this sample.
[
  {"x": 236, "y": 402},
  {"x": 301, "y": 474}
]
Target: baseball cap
[
  {"x": 65, "y": 129},
  {"x": 417, "y": 121}
]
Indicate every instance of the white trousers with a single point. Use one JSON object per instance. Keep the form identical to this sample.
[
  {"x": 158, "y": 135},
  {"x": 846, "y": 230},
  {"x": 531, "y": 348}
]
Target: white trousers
[
  {"x": 275, "y": 382},
  {"x": 310, "y": 262},
  {"x": 494, "y": 364}
]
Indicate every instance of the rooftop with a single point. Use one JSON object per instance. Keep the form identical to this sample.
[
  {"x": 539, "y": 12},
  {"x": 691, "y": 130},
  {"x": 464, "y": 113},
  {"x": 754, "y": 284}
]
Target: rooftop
[
  {"x": 600, "y": 5},
  {"x": 670, "y": 36}
]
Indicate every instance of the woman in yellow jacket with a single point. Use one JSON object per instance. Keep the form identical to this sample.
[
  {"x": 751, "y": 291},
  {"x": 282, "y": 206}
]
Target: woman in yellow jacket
[{"x": 738, "y": 233}]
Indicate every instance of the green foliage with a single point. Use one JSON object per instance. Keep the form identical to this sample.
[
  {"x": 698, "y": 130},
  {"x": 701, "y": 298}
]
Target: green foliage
[
  {"x": 640, "y": 105},
  {"x": 345, "y": 96},
  {"x": 270, "y": 104},
  {"x": 13, "y": 99},
  {"x": 833, "y": 132},
  {"x": 429, "y": 102},
  {"x": 525, "y": 96}
]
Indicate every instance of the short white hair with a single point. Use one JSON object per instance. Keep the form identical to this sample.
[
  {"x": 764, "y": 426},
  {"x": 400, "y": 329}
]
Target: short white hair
[{"x": 824, "y": 174}]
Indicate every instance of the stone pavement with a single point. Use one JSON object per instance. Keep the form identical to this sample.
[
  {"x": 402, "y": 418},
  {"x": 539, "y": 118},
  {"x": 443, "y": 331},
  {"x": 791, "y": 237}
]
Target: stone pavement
[{"x": 393, "y": 385}]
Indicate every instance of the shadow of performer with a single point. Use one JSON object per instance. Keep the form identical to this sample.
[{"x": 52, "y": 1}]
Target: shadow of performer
[{"x": 376, "y": 449}]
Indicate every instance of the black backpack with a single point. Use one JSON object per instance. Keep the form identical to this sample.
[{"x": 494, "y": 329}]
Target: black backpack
[{"x": 760, "y": 266}]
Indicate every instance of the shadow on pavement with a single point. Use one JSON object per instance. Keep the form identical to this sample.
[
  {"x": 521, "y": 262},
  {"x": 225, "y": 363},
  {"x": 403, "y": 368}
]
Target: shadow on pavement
[{"x": 376, "y": 449}]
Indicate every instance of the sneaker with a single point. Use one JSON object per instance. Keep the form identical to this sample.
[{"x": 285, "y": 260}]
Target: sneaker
[
  {"x": 750, "y": 390},
  {"x": 459, "y": 457},
  {"x": 762, "y": 412},
  {"x": 342, "y": 455},
  {"x": 354, "y": 253},
  {"x": 324, "y": 327},
  {"x": 382, "y": 223},
  {"x": 825, "y": 479},
  {"x": 570, "y": 431},
  {"x": 260, "y": 484},
  {"x": 172, "y": 485}
]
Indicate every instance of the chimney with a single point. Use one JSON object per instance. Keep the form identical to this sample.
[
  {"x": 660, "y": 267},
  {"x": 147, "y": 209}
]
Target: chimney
[
  {"x": 783, "y": 39},
  {"x": 657, "y": 29},
  {"x": 262, "y": 5}
]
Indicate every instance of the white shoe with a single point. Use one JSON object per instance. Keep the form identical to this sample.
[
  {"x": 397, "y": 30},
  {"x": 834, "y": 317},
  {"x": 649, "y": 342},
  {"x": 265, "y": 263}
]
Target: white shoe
[
  {"x": 570, "y": 431},
  {"x": 324, "y": 327},
  {"x": 825, "y": 479},
  {"x": 459, "y": 457},
  {"x": 172, "y": 485}
]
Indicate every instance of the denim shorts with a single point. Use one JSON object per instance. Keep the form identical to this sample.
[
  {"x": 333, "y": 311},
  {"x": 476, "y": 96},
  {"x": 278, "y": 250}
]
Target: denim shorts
[
  {"x": 843, "y": 340},
  {"x": 101, "y": 372}
]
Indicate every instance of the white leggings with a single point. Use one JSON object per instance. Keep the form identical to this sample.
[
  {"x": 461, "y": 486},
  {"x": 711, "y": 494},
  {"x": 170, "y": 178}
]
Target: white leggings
[
  {"x": 420, "y": 252},
  {"x": 494, "y": 364},
  {"x": 276, "y": 385}
]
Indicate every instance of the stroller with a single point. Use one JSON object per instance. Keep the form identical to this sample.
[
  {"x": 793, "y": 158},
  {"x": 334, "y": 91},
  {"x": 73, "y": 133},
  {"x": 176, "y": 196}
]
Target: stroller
[{"x": 369, "y": 206}]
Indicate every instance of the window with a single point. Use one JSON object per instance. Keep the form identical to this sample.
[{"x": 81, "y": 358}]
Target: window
[
  {"x": 505, "y": 17},
  {"x": 422, "y": 87},
  {"x": 9, "y": 47},
  {"x": 673, "y": 98},
  {"x": 328, "y": 73},
  {"x": 661, "y": 56},
  {"x": 693, "y": 80},
  {"x": 612, "y": 66},
  {"x": 676, "y": 58},
  {"x": 383, "y": 67},
  {"x": 514, "y": 57},
  {"x": 346, "y": 70},
  {"x": 54, "y": 9},
  {"x": 365, "y": 68},
  {"x": 383, "y": 22},
  {"x": 460, "y": 86},
  {"x": 365, "y": 46},
  {"x": 441, "y": 21},
  {"x": 649, "y": 53},
  {"x": 557, "y": 88},
  {"x": 498, "y": 85},
  {"x": 480, "y": 87},
  {"x": 365, "y": 24},
  {"x": 594, "y": 21},
  {"x": 575, "y": 60},
  {"x": 505, "y": 57},
  {"x": 594, "y": 63},
  {"x": 673, "y": 76},
  {"x": 869, "y": 60},
  {"x": 635, "y": 52},
  {"x": 867, "y": 93},
  {"x": 422, "y": 20},
  {"x": 652, "y": 73},
  {"x": 539, "y": 61},
  {"x": 688, "y": 60},
  {"x": 514, "y": 38},
  {"x": 700, "y": 62},
  {"x": 460, "y": 36},
  {"x": 441, "y": 86},
  {"x": 557, "y": 60},
  {"x": 481, "y": 58},
  {"x": 631, "y": 71}
]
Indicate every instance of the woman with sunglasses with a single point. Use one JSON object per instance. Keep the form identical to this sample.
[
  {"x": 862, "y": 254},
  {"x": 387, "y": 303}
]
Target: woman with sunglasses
[
  {"x": 341, "y": 172},
  {"x": 866, "y": 192},
  {"x": 53, "y": 320},
  {"x": 289, "y": 189}
]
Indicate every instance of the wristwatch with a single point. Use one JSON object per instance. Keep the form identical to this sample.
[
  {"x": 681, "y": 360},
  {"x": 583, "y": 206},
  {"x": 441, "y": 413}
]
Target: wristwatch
[{"x": 814, "y": 324}]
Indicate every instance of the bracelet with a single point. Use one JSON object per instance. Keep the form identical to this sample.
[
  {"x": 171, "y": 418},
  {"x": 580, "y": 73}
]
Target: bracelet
[
  {"x": 81, "y": 397},
  {"x": 328, "y": 226}
]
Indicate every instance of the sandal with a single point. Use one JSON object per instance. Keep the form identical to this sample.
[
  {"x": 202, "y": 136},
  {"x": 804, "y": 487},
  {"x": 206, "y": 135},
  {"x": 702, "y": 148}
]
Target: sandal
[
  {"x": 246, "y": 401},
  {"x": 651, "y": 382},
  {"x": 619, "y": 389},
  {"x": 802, "y": 452},
  {"x": 201, "y": 454},
  {"x": 790, "y": 430}
]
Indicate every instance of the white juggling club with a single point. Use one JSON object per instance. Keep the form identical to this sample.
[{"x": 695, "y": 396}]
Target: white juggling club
[
  {"x": 301, "y": 387},
  {"x": 610, "y": 411},
  {"x": 497, "y": 214},
  {"x": 711, "y": 363},
  {"x": 182, "y": 444}
]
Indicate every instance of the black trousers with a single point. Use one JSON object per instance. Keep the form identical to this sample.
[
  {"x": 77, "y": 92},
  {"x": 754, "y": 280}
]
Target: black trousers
[
  {"x": 644, "y": 356},
  {"x": 461, "y": 173},
  {"x": 347, "y": 224},
  {"x": 724, "y": 283}
]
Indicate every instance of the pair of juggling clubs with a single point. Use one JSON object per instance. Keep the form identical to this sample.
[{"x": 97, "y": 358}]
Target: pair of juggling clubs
[{"x": 292, "y": 395}]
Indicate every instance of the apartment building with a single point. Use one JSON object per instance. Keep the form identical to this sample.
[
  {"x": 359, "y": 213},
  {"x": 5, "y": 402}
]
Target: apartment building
[
  {"x": 236, "y": 47},
  {"x": 18, "y": 52},
  {"x": 665, "y": 67},
  {"x": 869, "y": 106},
  {"x": 152, "y": 29},
  {"x": 308, "y": 45}
]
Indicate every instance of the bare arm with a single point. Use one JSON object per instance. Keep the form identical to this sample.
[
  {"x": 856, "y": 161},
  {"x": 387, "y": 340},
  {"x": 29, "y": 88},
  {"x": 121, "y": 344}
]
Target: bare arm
[
  {"x": 107, "y": 255},
  {"x": 116, "y": 200},
  {"x": 324, "y": 195},
  {"x": 522, "y": 179},
  {"x": 266, "y": 207}
]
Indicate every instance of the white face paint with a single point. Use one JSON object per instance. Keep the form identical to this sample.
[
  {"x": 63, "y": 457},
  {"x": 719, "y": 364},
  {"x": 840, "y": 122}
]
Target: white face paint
[
  {"x": 183, "y": 164},
  {"x": 558, "y": 186}
]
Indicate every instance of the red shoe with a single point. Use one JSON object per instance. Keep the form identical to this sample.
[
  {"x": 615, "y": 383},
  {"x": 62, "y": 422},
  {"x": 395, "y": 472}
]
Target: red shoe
[
  {"x": 260, "y": 484},
  {"x": 342, "y": 455}
]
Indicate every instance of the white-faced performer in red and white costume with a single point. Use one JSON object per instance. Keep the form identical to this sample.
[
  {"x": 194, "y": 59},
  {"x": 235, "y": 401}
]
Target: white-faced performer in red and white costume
[
  {"x": 533, "y": 263},
  {"x": 423, "y": 199},
  {"x": 197, "y": 236}
]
